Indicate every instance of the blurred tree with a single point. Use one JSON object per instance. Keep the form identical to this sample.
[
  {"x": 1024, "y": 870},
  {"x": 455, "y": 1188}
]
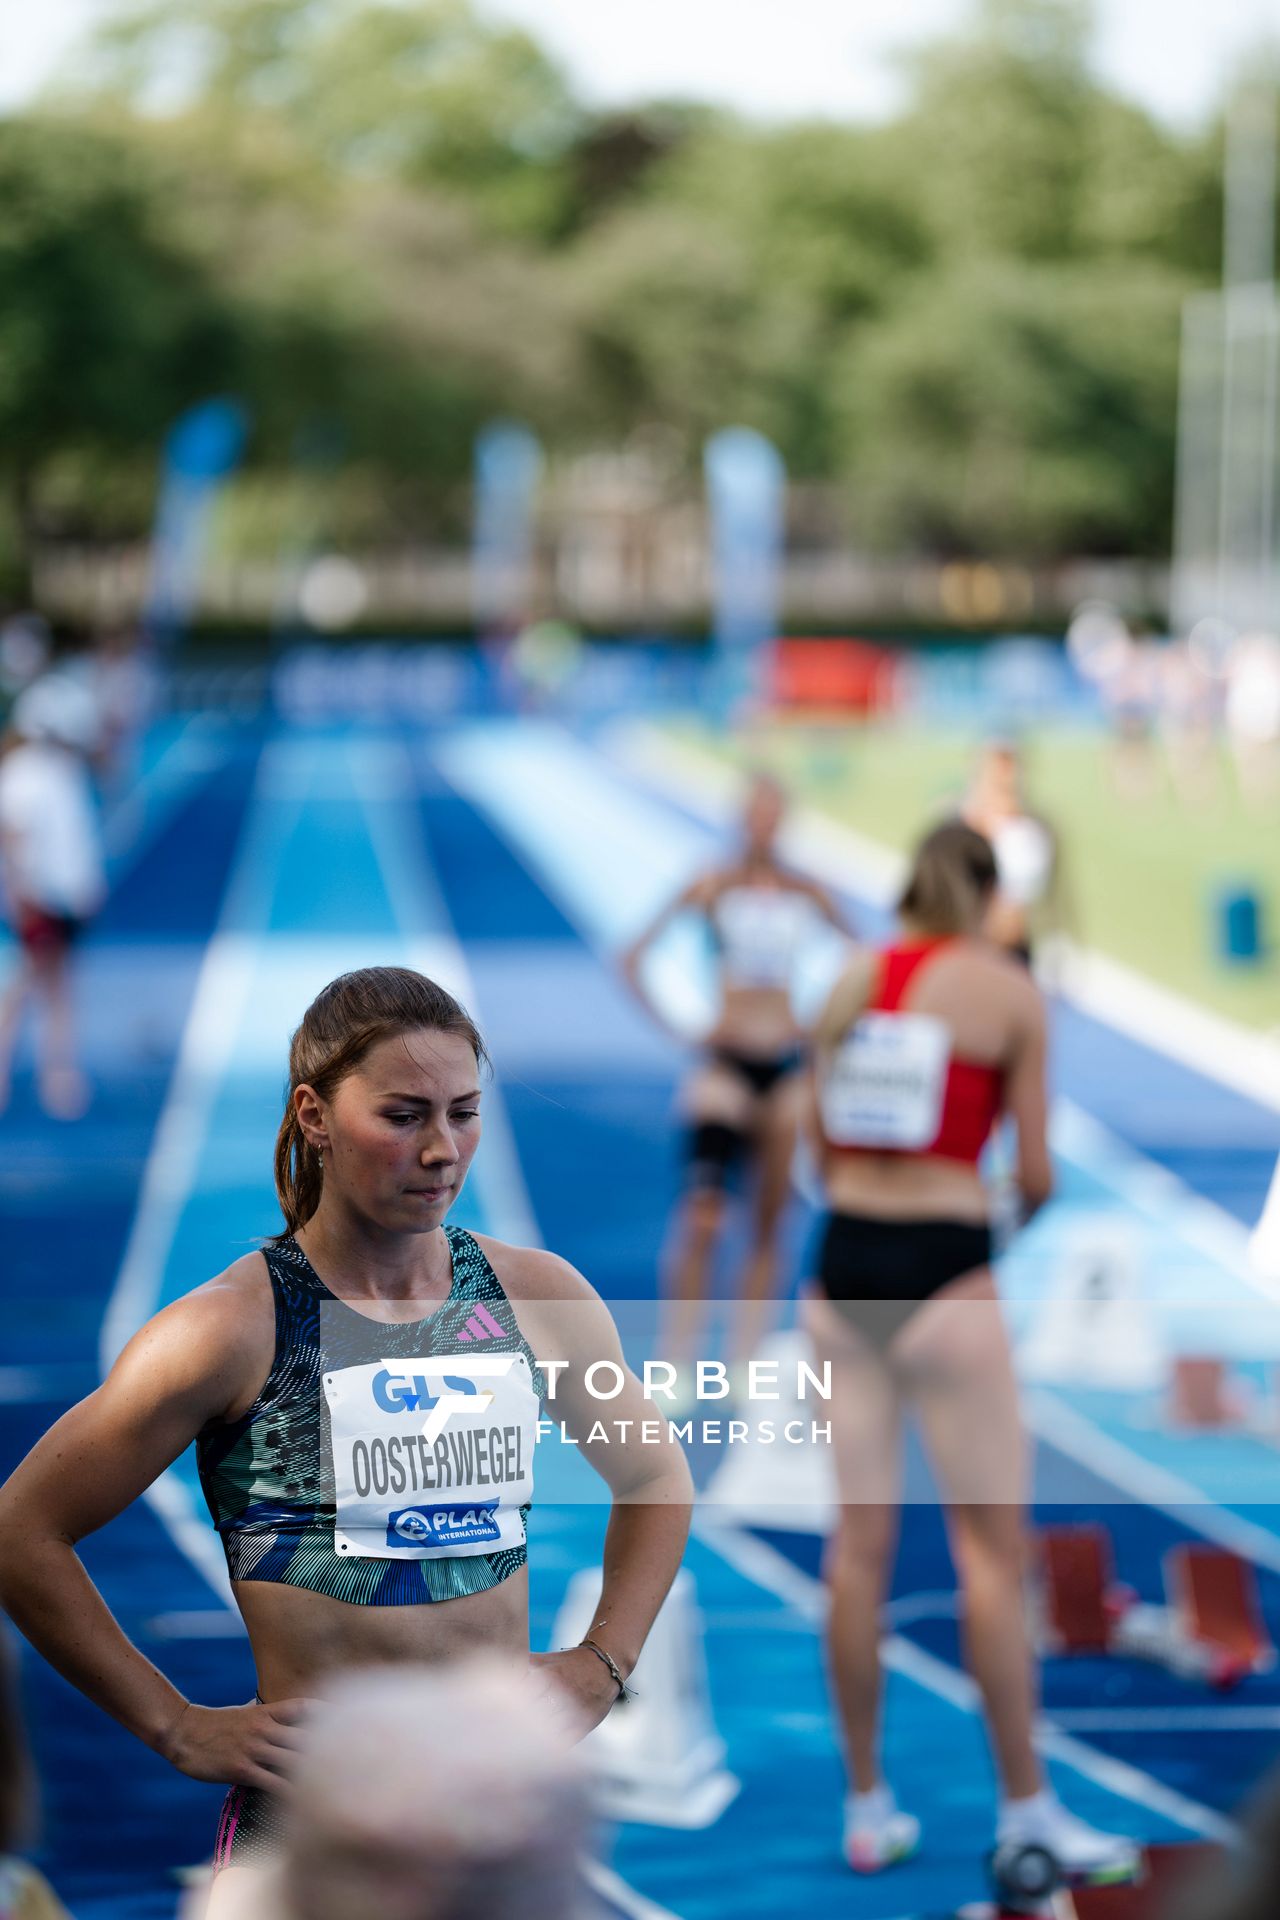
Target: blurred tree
[
  {"x": 108, "y": 325},
  {"x": 425, "y": 92},
  {"x": 395, "y": 212},
  {"x": 1018, "y": 411}
]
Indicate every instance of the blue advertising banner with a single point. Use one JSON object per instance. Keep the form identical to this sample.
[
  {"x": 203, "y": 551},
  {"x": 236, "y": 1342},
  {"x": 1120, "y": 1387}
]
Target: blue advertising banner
[
  {"x": 203, "y": 446},
  {"x": 507, "y": 468},
  {"x": 746, "y": 492}
]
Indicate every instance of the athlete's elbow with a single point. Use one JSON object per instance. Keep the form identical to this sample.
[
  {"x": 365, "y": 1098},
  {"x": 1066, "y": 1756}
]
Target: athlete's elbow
[{"x": 1036, "y": 1187}]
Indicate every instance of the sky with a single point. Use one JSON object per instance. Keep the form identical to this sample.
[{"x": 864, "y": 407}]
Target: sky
[{"x": 772, "y": 58}]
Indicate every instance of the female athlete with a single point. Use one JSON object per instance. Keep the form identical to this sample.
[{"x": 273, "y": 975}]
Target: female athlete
[
  {"x": 921, "y": 1049},
  {"x": 364, "y": 1398},
  {"x": 743, "y": 1102}
]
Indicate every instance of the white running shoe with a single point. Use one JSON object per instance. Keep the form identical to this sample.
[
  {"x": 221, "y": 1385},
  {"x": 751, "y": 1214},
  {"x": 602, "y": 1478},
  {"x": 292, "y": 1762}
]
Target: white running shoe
[
  {"x": 1084, "y": 1853},
  {"x": 876, "y": 1834}
]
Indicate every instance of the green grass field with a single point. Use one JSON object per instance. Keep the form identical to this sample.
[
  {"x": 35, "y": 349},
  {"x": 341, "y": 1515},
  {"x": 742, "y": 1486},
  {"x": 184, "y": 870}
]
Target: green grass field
[{"x": 1142, "y": 876}]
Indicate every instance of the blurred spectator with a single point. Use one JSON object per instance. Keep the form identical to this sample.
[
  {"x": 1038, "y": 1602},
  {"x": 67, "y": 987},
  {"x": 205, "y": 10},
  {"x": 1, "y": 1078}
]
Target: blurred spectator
[
  {"x": 1188, "y": 720},
  {"x": 1131, "y": 696},
  {"x": 1253, "y": 714},
  {"x": 123, "y": 680},
  {"x": 24, "y": 1893},
  {"x": 52, "y": 867},
  {"x": 25, "y": 647},
  {"x": 425, "y": 1793},
  {"x": 1027, "y": 903}
]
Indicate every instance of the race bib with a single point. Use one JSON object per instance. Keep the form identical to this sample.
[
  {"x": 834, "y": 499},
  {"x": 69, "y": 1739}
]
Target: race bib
[
  {"x": 887, "y": 1082},
  {"x": 759, "y": 930},
  {"x": 432, "y": 1458}
]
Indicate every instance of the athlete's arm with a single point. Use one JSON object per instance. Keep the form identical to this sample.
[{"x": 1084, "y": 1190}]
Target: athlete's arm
[
  {"x": 633, "y": 1452},
  {"x": 1026, "y": 1100},
  {"x": 697, "y": 894},
  {"x": 848, "y": 998},
  {"x": 828, "y": 906},
  {"x": 185, "y": 1367}
]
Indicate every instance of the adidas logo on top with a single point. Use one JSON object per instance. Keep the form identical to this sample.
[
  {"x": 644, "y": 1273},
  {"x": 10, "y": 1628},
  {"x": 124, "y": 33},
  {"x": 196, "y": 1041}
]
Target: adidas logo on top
[{"x": 480, "y": 1325}]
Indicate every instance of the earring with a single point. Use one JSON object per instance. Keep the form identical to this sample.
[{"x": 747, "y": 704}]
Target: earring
[{"x": 320, "y": 1155}]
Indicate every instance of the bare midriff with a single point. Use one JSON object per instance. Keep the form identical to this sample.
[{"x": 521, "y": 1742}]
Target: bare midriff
[
  {"x": 758, "y": 1022},
  {"x": 299, "y": 1637},
  {"x": 897, "y": 1186}
]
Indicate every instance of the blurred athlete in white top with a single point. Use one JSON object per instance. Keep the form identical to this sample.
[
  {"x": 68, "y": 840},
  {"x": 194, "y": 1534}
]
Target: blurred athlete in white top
[
  {"x": 52, "y": 869},
  {"x": 742, "y": 1101}
]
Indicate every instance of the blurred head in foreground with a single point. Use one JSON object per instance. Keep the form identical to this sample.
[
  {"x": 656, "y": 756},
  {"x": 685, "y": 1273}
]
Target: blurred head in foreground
[
  {"x": 24, "y": 1893},
  {"x": 430, "y": 1793},
  {"x": 762, "y": 814},
  {"x": 1244, "y": 1883},
  {"x": 951, "y": 883}
]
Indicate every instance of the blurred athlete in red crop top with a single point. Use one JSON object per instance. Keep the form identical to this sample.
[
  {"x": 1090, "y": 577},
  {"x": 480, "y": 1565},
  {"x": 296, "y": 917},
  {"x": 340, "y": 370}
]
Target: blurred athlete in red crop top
[{"x": 921, "y": 1049}]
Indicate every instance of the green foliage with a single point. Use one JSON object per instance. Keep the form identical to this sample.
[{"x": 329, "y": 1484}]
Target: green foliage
[
  {"x": 108, "y": 325},
  {"x": 1018, "y": 410},
  {"x": 423, "y": 92},
  {"x": 394, "y": 216}
]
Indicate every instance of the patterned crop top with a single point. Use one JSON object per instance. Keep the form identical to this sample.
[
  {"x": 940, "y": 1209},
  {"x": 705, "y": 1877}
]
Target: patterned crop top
[{"x": 330, "y": 1481}]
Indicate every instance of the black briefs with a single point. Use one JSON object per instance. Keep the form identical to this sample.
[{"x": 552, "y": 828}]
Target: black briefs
[
  {"x": 879, "y": 1271},
  {"x": 761, "y": 1075}
]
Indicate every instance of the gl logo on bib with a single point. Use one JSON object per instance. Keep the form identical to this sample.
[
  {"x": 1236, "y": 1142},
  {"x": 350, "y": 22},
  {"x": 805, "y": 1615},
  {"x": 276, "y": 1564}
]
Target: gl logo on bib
[
  {"x": 887, "y": 1082},
  {"x": 432, "y": 1457}
]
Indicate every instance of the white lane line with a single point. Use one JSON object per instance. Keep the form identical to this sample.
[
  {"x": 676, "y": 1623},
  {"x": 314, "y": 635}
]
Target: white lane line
[
  {"x": 133, "y": 819},
  {"x": 611, "y": 1887},
  {"x": 413, "y": 887},
  {"x": 208, "y": 1040},
  {"x": 771, "y": 1570},
  {"x": 1168, "y": 1719},
  {"x": 1078, "y": 1136},
  {"x": 207, "y": 1046},
  {"x": 1075, "y": 1434},
  {"x": 1209, "y": 1043},
  {"x": 385, "y": 775}
]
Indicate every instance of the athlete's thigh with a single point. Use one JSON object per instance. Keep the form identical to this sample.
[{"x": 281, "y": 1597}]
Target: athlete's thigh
[
  {"x": 955, "y": 1364},
  {"x": 864, "y": 1411},
  {"x": 715, "y": 1094},
  {"x": 777, "y": 1129}
]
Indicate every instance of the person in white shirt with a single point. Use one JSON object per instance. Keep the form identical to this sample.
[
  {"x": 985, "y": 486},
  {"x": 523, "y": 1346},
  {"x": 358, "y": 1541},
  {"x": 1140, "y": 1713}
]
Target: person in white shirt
[
  {"x": 52, "y": 868},
  {"x": 1027, "y": 900}
]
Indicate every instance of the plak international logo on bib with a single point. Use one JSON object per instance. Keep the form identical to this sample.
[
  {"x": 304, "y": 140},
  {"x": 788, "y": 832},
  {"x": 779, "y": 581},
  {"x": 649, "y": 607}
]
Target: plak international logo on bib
[
  {"x": 432, "y": 1456},
  {"x": 453, "y": 1526}
]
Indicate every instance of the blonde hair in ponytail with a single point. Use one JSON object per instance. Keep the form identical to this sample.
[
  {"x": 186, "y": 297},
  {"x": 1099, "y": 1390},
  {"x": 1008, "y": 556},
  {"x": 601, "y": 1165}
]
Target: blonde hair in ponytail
[
  {"x": 346, "y": 1018},
  {"x": 953, "y": 875}
]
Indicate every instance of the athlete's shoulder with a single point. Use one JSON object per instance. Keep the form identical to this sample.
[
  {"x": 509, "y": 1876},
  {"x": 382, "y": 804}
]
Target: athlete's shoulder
[
  {"x": 231, "y": 1310},
  {"x": 1013, "y": 982},
  {"x": 706, "y": 888},
  {"x": 861, "y": 964},
  {"x": 533, "y": 1273},
  {"x": 201, "y": 1347}
]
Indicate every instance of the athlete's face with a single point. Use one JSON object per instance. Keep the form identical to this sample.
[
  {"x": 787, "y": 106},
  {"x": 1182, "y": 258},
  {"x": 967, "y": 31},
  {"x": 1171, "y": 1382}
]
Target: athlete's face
[
  {"x": 763, "y": 817},
  {"x": 402, "y": 1129}
]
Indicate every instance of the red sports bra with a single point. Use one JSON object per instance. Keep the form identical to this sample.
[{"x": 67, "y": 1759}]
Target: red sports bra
[{"x": 974, "y": 1092}]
